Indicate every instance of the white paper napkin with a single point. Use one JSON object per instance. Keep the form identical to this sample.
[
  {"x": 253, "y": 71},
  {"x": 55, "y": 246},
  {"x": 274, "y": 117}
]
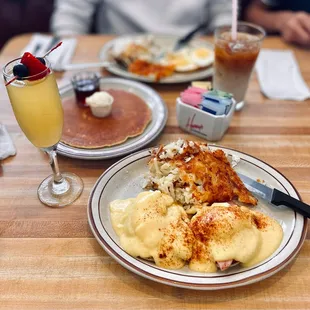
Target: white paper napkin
[
  {"x": 7, "y": 147},
  {"x": 279, "y": 75},
  {"x": 39, "y": 45}
]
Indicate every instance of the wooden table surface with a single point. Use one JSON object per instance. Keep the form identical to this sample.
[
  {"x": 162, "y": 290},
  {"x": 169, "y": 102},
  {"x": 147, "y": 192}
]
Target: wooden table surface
[{"x": 49, "y": 258}]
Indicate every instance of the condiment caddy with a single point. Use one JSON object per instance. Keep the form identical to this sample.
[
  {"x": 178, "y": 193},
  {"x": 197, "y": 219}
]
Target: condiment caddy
[{"x": 204, "y": 112}]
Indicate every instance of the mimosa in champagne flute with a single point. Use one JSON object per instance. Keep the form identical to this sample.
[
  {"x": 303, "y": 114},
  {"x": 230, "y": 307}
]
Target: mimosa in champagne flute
[{"x": 34, "y": 96}]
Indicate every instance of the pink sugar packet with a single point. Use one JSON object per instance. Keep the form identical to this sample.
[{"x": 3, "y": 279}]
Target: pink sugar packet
[
  {"x": 196, "y": 90},
  {"x": 192, "y": 96},
  {"x": 191, "y": 99}
]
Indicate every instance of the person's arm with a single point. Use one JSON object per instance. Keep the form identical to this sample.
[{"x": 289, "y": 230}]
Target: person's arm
[
  {"x": 72, "y": 17},
  {"x": 258, "y": 13},
  {"x": 219, "y": 13},
  {"x": 293, "y": 26}
]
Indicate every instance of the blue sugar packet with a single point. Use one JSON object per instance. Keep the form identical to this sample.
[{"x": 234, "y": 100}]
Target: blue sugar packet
[
  {"x": 212, "y": 107},
  {"x": 216, "y": 102}
]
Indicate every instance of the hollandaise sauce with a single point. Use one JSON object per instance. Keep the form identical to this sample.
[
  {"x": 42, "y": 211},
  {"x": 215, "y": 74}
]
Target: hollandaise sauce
[
  {"x": 153, "y": 226},
  {"x": 232, "y": 234}
]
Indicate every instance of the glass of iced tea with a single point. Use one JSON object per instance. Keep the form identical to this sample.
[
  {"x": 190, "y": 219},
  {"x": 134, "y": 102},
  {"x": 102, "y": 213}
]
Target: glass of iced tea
[{"x": 235, "y": 59}]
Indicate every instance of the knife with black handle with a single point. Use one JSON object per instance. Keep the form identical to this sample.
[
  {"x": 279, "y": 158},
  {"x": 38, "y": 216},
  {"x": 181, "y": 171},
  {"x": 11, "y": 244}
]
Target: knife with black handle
[{"x": 275, "y": 196}]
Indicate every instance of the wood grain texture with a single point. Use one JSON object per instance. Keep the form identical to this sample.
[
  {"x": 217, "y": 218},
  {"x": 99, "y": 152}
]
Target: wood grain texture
[
  {"x": 48, "y": 258},
  {"x": 76, "y": 273}
]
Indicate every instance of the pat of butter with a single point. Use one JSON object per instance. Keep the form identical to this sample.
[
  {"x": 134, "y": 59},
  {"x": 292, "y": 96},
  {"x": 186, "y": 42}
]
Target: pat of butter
[
  {"x": 202, "y": 84},
  {"x": 100, "y": 103}
]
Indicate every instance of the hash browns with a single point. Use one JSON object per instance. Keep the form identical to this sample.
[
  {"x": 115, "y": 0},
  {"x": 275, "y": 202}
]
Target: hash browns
[{"x": 193, "y": 174}]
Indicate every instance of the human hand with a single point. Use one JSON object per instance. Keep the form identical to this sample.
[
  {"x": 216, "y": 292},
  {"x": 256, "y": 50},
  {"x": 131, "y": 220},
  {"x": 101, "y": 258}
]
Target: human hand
[{"x": 295, "y": 28}]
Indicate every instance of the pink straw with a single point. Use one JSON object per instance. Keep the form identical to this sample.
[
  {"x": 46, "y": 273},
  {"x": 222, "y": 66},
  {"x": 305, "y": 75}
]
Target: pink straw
[{"x": 234, "y": 20}]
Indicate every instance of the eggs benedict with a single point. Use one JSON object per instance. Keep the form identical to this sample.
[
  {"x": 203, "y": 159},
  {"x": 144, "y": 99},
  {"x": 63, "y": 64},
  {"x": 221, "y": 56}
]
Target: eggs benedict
[
  {"x": 226, "y": 234},
  {"x": 152, "y": 226}
]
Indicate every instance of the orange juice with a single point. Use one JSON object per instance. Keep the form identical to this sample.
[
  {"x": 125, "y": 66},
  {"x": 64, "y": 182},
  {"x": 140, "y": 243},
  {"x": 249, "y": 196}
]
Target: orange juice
[{"x": 38, "y": 110}]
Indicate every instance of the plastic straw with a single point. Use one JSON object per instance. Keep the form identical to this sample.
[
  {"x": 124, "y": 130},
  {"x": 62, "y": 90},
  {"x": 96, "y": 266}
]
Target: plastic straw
[{"x": 234, "y": 19}]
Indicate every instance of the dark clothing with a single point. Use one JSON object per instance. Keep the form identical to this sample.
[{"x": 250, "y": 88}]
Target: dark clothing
[
  {"x": 22, "y": 16},
  {"x": 292, "y": 5}
]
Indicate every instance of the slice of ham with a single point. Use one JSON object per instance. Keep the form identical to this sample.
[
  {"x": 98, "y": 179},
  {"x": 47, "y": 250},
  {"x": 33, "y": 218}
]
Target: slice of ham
[{"x": 223, "y": 265}]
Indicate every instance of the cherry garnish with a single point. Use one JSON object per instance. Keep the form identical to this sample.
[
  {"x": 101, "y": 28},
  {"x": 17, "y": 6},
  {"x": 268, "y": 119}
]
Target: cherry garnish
[{"x": 36, "y": 66}]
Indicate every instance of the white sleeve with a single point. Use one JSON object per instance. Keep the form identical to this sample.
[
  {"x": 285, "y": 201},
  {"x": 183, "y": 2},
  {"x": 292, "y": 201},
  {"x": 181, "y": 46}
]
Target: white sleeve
[
  {"x": 71, "y": 17},
  {"x": 219, "y": 13}
]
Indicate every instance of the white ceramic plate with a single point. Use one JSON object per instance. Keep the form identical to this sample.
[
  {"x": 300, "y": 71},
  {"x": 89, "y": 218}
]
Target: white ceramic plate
[
  {"x": 125, "y": 179},
  {"x": 154, "y": 128},
  {"x": 166, "y": 41}
]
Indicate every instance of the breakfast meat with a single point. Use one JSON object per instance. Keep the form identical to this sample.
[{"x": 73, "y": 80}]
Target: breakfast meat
[
  {"x": 146, "y": 68},
  {"x": 192, "y": 175},
  {"x": 223, "y": 265}
]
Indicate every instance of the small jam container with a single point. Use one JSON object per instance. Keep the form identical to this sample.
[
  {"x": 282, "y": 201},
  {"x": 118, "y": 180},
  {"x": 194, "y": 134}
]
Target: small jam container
[
  {"x": 203, "y": 124},
  {"x": 84, "y": 85}
]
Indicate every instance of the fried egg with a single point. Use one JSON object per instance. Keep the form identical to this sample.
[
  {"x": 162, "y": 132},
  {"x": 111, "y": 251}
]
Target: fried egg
[
  {"x": 202, "y": 56},
  {"x": 189, "y": 59},
  {"x": 181, "y": 60}
]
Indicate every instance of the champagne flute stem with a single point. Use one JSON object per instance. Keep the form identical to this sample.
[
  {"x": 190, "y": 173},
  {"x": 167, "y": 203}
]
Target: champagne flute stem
[
  {"x": 54, "y": 165},
  {"x": 59, "y": 185}
]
